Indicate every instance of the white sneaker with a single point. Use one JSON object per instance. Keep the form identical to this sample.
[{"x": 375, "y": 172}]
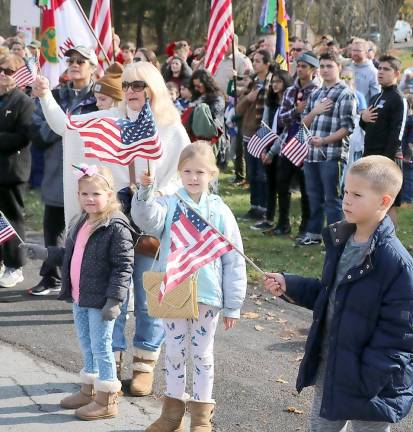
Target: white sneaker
[{"x": 11, "y": 277}]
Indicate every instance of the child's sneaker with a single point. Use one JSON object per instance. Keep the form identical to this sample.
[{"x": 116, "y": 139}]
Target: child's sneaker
[{"x": 11, "y": 277}]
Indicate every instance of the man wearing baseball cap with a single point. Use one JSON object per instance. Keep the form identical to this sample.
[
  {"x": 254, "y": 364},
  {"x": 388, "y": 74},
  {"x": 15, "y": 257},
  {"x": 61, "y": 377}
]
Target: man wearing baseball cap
[
  {"x": 75, "y": 97},
  {"x": 292, "y": 107}
]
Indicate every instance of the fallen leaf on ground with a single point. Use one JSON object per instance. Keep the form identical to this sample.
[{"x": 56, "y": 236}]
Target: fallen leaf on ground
[
  {"x": 250, "y": 315},
  {"x": 269, "y": 318},
  {"x": 253, "y": 296},
  {"x": 281, "y": 321},
  {"x": 271, "y": 314},
  {"x": 281, "y": 381},
  {"x": 259, "y": 328},
  {"x": 294, "y": 410},
  {"x": 299, "y": 358},
  {"x": 258, "y": 302},
  {"x": 286, "y": 338}
]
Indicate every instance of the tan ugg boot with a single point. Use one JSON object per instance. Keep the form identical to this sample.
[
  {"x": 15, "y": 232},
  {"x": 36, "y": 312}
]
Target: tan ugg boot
[
  {"x": 201, "y": 416},
  {"x": 143, "y": 368},
  {"x": 84, "y": 396},
  {"x": 105, "y": 404},
  {"x": 172, "y": 417}
]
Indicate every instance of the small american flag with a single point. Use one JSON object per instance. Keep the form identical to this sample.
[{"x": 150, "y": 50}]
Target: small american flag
[
  {"x": 296, "y": 150},
  {"x": 261, "y": 140},
  {"x": 193, "y": 245},
  {"x": 25, "y": 75},
  {"x": 6, "y": 230},
  {"x": 120, "y": 141}
]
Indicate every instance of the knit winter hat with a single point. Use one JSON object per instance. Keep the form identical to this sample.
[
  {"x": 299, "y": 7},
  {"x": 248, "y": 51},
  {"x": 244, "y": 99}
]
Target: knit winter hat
[
  {"x": 111, "y": 83},
  {"x": 310, "y": 58}
]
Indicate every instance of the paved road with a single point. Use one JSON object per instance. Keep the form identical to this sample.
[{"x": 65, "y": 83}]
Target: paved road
[{"x": 249, "y": 360}]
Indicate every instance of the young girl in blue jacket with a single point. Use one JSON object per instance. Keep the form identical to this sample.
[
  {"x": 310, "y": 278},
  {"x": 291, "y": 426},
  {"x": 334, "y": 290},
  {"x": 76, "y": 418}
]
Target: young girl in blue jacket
[
  {"x": 97, "y": 266},
  {"x": 221, "y": 286}
]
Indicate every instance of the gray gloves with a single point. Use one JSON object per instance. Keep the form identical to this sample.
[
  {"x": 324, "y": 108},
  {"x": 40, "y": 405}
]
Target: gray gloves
[
  {"x": 35, "y": 251},
  {"x": 111, "y": 310}
]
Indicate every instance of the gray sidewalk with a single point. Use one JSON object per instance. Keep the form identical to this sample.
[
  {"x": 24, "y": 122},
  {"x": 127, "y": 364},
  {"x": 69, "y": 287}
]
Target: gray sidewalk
[{"x": 30, "y": 391}]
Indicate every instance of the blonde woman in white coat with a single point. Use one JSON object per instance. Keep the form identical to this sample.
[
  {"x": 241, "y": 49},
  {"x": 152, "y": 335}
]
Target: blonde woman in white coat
[{"x": 139, "y": 80}]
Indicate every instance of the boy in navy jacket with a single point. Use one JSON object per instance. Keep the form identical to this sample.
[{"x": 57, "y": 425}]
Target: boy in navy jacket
[{"x": 359, "y": 352}]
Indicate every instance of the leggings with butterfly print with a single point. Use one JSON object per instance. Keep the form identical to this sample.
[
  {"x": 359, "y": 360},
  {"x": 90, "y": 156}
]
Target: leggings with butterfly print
[{"x": 197, "y": 337}]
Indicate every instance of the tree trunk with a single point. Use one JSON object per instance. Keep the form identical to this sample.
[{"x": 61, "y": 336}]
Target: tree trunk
[{"x": 388, "y": 13}]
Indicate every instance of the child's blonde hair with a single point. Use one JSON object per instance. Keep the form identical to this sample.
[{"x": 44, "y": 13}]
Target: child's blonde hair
[
  {"x": 103, "y": 179},
  {"x": 202, "y": 149},
  {"x": 381, "y": 172}
]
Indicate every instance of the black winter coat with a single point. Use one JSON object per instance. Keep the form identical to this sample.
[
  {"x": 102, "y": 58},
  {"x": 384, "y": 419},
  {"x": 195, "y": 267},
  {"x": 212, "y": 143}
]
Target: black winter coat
[
  {"x": 107, "y": 263},
  {"x": 15, "y": 117},
  {"x": 369, "y": 373}
]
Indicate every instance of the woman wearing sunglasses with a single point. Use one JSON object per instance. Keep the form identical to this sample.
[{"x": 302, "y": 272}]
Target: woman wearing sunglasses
[
  {"x": 140, "y": 80},
  {"x": 15, "y": 116}
]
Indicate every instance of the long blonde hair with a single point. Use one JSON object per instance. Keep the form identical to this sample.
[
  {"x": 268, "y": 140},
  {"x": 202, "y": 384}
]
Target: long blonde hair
[
  {"x": 104, "y": 180},
  {"x": 203, "y": 150},
  {"x": 162, "y": 106}
]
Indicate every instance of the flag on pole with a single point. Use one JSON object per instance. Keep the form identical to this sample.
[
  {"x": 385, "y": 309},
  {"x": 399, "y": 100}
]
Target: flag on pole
[
  {"x": 120, "y": 141},
  {"x": 281, "y": 48},
  {"x": 296, "y": 149},
  {"x": 261, "y": 140},
  {"x": 100, "y": 20},
  {"x": 194, "y": 244},
  {"x": 6, "y": 230},
  {"x": 63, "y": 27},
  {"x": 268, "y": 13},
  {"x": 220, "y": 33},
  {"x": 25, "y": 75}
]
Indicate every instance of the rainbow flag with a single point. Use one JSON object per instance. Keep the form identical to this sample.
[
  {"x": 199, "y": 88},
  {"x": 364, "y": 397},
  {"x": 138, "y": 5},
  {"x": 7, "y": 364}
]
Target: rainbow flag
[
  {"x": 268, "y": 13},
  {"x": 281, "y": 49}
]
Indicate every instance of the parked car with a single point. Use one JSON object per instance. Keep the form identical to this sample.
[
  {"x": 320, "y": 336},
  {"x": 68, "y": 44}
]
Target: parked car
[{"x": 402, "y": 31}]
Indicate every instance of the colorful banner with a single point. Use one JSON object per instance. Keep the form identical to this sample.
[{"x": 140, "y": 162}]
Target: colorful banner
[{"x": 281, "y": 48}]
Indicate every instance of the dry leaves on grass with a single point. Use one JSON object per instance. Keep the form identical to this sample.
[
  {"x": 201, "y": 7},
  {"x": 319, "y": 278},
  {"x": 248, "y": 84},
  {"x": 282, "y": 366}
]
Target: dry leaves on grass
[{"x": 294, "y": 410}]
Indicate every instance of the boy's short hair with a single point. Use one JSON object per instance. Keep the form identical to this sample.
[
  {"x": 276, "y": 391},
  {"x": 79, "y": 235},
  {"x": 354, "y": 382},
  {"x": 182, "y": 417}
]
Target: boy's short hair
[
  {"x": 383, "y": 174},
  {"x": 331, "y": 57},
  {"x": 394, "y": 62}
]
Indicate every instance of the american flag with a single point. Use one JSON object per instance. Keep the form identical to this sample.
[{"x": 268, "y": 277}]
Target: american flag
[
  {"x": 26, "y": 74},
  {"x": 220, "y": 33},
  {"x": 260, "y": 141},
  {"x": 296, "y": 150},
  {"x": 6, "y": 230},
  {"x": 194, "y": 244},
  {"x": 120, "y": 141},
  {"x": 100, "y": 20}
]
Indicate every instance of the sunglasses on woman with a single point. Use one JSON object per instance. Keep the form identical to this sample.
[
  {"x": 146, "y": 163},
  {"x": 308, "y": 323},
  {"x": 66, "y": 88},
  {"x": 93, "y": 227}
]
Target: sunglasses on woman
[
  {"x": 7, "y": 71},
  {"x": 136, "y": 86},
  {"x": 77, "y": 60}
]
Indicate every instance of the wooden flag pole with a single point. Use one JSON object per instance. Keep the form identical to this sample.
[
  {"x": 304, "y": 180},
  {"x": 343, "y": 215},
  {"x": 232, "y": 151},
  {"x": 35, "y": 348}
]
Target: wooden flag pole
[
  {"x": 249, "y": 260},
  {"x": 149, "y": 168},
  {"x": 93, "y": 31},
  {"x": 234, "y": 67},
  {"x": 4, "y": 217}
]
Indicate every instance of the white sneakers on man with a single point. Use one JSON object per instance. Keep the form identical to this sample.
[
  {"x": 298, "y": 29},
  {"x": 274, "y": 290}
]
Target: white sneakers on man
[{"x": 11, "y": 277}]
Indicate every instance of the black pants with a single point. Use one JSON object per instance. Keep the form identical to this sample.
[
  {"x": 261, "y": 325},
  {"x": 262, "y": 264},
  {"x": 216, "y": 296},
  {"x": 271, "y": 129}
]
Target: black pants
[
  {"x": 53, "y": 230},
  {"x": 272, "y": 177},
  {"x": 12, "y": 205},
  {"x": 239, "y": 160},
  {"x": 286, "y": 172}
]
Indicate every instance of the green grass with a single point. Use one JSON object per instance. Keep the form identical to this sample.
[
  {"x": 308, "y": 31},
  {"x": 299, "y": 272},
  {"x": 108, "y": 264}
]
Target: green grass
[
  {"x": 269, "y": 253},
  {"x": 281, "y": 253}
]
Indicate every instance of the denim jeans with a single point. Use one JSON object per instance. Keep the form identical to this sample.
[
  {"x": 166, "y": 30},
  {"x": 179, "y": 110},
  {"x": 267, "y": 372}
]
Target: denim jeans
[
  {"x": 257, "y": 178},
  {"x": 118, "y": 339},
  {"x": 149, "y": 332},
  {"x": 95, "y": 340},
  {"x": 407, "y": 188},
  {"x": 322, "y": 181}
]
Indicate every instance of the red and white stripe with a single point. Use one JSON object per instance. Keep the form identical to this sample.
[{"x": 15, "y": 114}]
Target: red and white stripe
[
  {"x": 102, "y": 140},
  {"x": 6, "y": 230},
  {"x": 184, "y": 260},
  {"x": 100, "y": 20},
  {"x": 24, "y": 76},
  {"x": 220, "y": 33}
]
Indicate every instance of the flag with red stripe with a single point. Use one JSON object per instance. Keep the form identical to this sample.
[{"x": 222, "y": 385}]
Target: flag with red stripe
[
  {"x": 6, "y": 230},
  {"x": 101, "y": 22},
  {"x": 260, "y": 141},
  {"x": 120, "y": 141},
  {"x": 194, "y": 244},
  {"x": 26, "y": 74},
  {"x": 296, "y": 149},
  {"x": 220, "y": 33}
]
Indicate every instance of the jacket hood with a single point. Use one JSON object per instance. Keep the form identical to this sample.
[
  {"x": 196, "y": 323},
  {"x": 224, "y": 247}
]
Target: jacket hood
[{"x": 311, "y": 84}]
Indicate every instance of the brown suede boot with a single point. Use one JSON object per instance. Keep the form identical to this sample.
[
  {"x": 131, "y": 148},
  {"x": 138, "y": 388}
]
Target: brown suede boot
[
  {"x": 143, "y": 368},
  {"x": 201, "y": 416},
  {"x": 105, "y": 404},
  {"x": 172, "y": 417},
  {"x": 84, "y": 396}
]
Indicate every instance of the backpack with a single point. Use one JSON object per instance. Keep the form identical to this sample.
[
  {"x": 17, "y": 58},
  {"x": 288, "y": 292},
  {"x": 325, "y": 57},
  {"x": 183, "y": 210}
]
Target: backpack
[{"x": 203, "y": 124}]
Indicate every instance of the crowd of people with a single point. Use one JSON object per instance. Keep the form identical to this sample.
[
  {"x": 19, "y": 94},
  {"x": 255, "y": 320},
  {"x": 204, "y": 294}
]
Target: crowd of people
[{"x": 355, "y": 109}]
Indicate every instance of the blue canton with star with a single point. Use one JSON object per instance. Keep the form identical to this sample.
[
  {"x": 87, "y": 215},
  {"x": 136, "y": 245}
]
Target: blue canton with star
[
  {"x": 141, "y": 129},
  {"x": 198, "y": 223}
]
